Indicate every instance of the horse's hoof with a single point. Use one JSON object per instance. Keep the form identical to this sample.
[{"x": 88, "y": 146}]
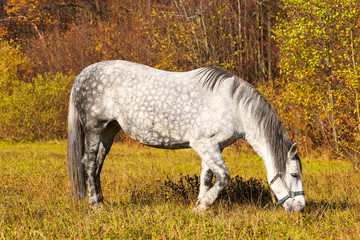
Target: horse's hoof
[
  {"x": 96, "y": 206},
  {"x": 200, "y": 208}
]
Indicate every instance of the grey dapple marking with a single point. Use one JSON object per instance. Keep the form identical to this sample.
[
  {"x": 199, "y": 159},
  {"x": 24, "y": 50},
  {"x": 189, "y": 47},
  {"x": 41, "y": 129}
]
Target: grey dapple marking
[{"x": 206, "y": 109}]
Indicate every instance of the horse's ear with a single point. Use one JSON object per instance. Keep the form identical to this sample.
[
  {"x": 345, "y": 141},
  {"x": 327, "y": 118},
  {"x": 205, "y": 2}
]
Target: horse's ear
[{"x": 292, "y": 152}]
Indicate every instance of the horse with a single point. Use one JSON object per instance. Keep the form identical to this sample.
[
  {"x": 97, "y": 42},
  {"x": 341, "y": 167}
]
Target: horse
[{"x": 206, "y": 109}]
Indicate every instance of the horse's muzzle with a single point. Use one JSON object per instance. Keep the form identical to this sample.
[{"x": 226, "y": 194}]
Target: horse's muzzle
[{"x": 296, "y": 204}]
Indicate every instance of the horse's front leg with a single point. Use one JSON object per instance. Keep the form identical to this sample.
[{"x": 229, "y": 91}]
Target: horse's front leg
[
  {"x": 211, "y": 156},
  {"x": 206, "y": 177}
]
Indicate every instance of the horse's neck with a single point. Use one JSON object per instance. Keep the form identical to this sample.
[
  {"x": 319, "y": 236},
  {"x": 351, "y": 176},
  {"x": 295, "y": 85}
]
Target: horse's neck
[{"x": 255, "y": 136}]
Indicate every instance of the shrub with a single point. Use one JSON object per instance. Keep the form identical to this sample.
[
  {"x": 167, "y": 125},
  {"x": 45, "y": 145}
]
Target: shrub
[
  {"x": 238, "y": 190},
  {"x": 318, "y": 94},
  {"x": 13, "y": 67},
  {"x": 36, "y": 110}
]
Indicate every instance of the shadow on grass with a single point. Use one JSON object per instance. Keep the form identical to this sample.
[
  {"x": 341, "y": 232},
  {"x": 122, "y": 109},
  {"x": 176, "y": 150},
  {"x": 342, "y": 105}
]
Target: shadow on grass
[{"x": 315, "y": 206}]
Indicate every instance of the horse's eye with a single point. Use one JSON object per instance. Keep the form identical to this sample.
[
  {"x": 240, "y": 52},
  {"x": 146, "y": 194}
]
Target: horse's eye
[{"x": 295, "y": 175}]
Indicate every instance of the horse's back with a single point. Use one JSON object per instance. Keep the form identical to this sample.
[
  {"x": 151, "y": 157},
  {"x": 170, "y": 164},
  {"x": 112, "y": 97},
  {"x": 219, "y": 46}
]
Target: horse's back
[{"x": 121, "y": 82}]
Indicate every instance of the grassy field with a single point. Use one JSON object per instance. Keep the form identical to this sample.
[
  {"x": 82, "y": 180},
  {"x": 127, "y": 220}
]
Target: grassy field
[{"x": 35, "y": 199}]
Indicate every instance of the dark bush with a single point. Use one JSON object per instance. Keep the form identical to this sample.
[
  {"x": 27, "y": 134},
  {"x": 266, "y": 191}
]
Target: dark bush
[{"x": 238, "y": 191}]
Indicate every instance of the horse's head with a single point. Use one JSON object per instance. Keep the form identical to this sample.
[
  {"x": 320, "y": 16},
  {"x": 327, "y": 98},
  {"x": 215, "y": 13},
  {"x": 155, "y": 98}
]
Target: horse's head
[{"x": 287, "y": 185}]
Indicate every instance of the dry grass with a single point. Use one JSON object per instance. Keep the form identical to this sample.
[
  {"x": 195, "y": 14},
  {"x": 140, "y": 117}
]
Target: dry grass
[{"x": 35, "y": 200}]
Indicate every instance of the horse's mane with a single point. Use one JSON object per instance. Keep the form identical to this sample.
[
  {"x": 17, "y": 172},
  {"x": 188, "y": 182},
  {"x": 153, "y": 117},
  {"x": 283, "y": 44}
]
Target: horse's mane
[{"x": 268, "y": 120}]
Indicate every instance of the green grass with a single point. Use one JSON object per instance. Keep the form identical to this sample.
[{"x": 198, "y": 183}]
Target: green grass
[{"x": 35, "y": 199}]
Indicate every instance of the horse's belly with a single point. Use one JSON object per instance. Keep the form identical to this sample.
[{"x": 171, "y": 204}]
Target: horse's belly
[
  {"x": 156, "y": 136},
  {"x": 155, "y": 128}
]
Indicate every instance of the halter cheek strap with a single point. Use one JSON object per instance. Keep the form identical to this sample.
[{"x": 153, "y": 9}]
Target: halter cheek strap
[{"x": 290, "y": 194}]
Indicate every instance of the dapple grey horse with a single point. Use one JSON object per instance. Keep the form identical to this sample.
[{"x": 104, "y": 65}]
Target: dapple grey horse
[{"x": 206, "y": 109}]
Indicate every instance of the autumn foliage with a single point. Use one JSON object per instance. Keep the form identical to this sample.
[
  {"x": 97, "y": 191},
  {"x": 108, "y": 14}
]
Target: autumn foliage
[
  {"x": 318, "y": 86},
  {"x": 302, "y": 55}
]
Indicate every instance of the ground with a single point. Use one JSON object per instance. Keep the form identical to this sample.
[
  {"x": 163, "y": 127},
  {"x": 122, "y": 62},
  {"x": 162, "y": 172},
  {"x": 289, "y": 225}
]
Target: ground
[{"x": 36, "y": 202}]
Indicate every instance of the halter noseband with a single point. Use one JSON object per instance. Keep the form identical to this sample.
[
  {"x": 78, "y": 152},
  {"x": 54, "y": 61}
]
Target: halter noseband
[{"x": 291, "y": 194}]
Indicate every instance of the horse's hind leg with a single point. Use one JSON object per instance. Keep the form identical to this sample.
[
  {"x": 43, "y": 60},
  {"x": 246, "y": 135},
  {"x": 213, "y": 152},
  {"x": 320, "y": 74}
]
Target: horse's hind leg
[
  {"x": 211, "y": 156},
  {"x": 92, "y": 140},
  {"x": 106, "y": 141}
]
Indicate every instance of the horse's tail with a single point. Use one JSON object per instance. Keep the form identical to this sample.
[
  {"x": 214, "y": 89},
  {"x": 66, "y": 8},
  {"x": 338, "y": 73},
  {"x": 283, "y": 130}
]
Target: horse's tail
[{"x": 75, "y": 151}]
